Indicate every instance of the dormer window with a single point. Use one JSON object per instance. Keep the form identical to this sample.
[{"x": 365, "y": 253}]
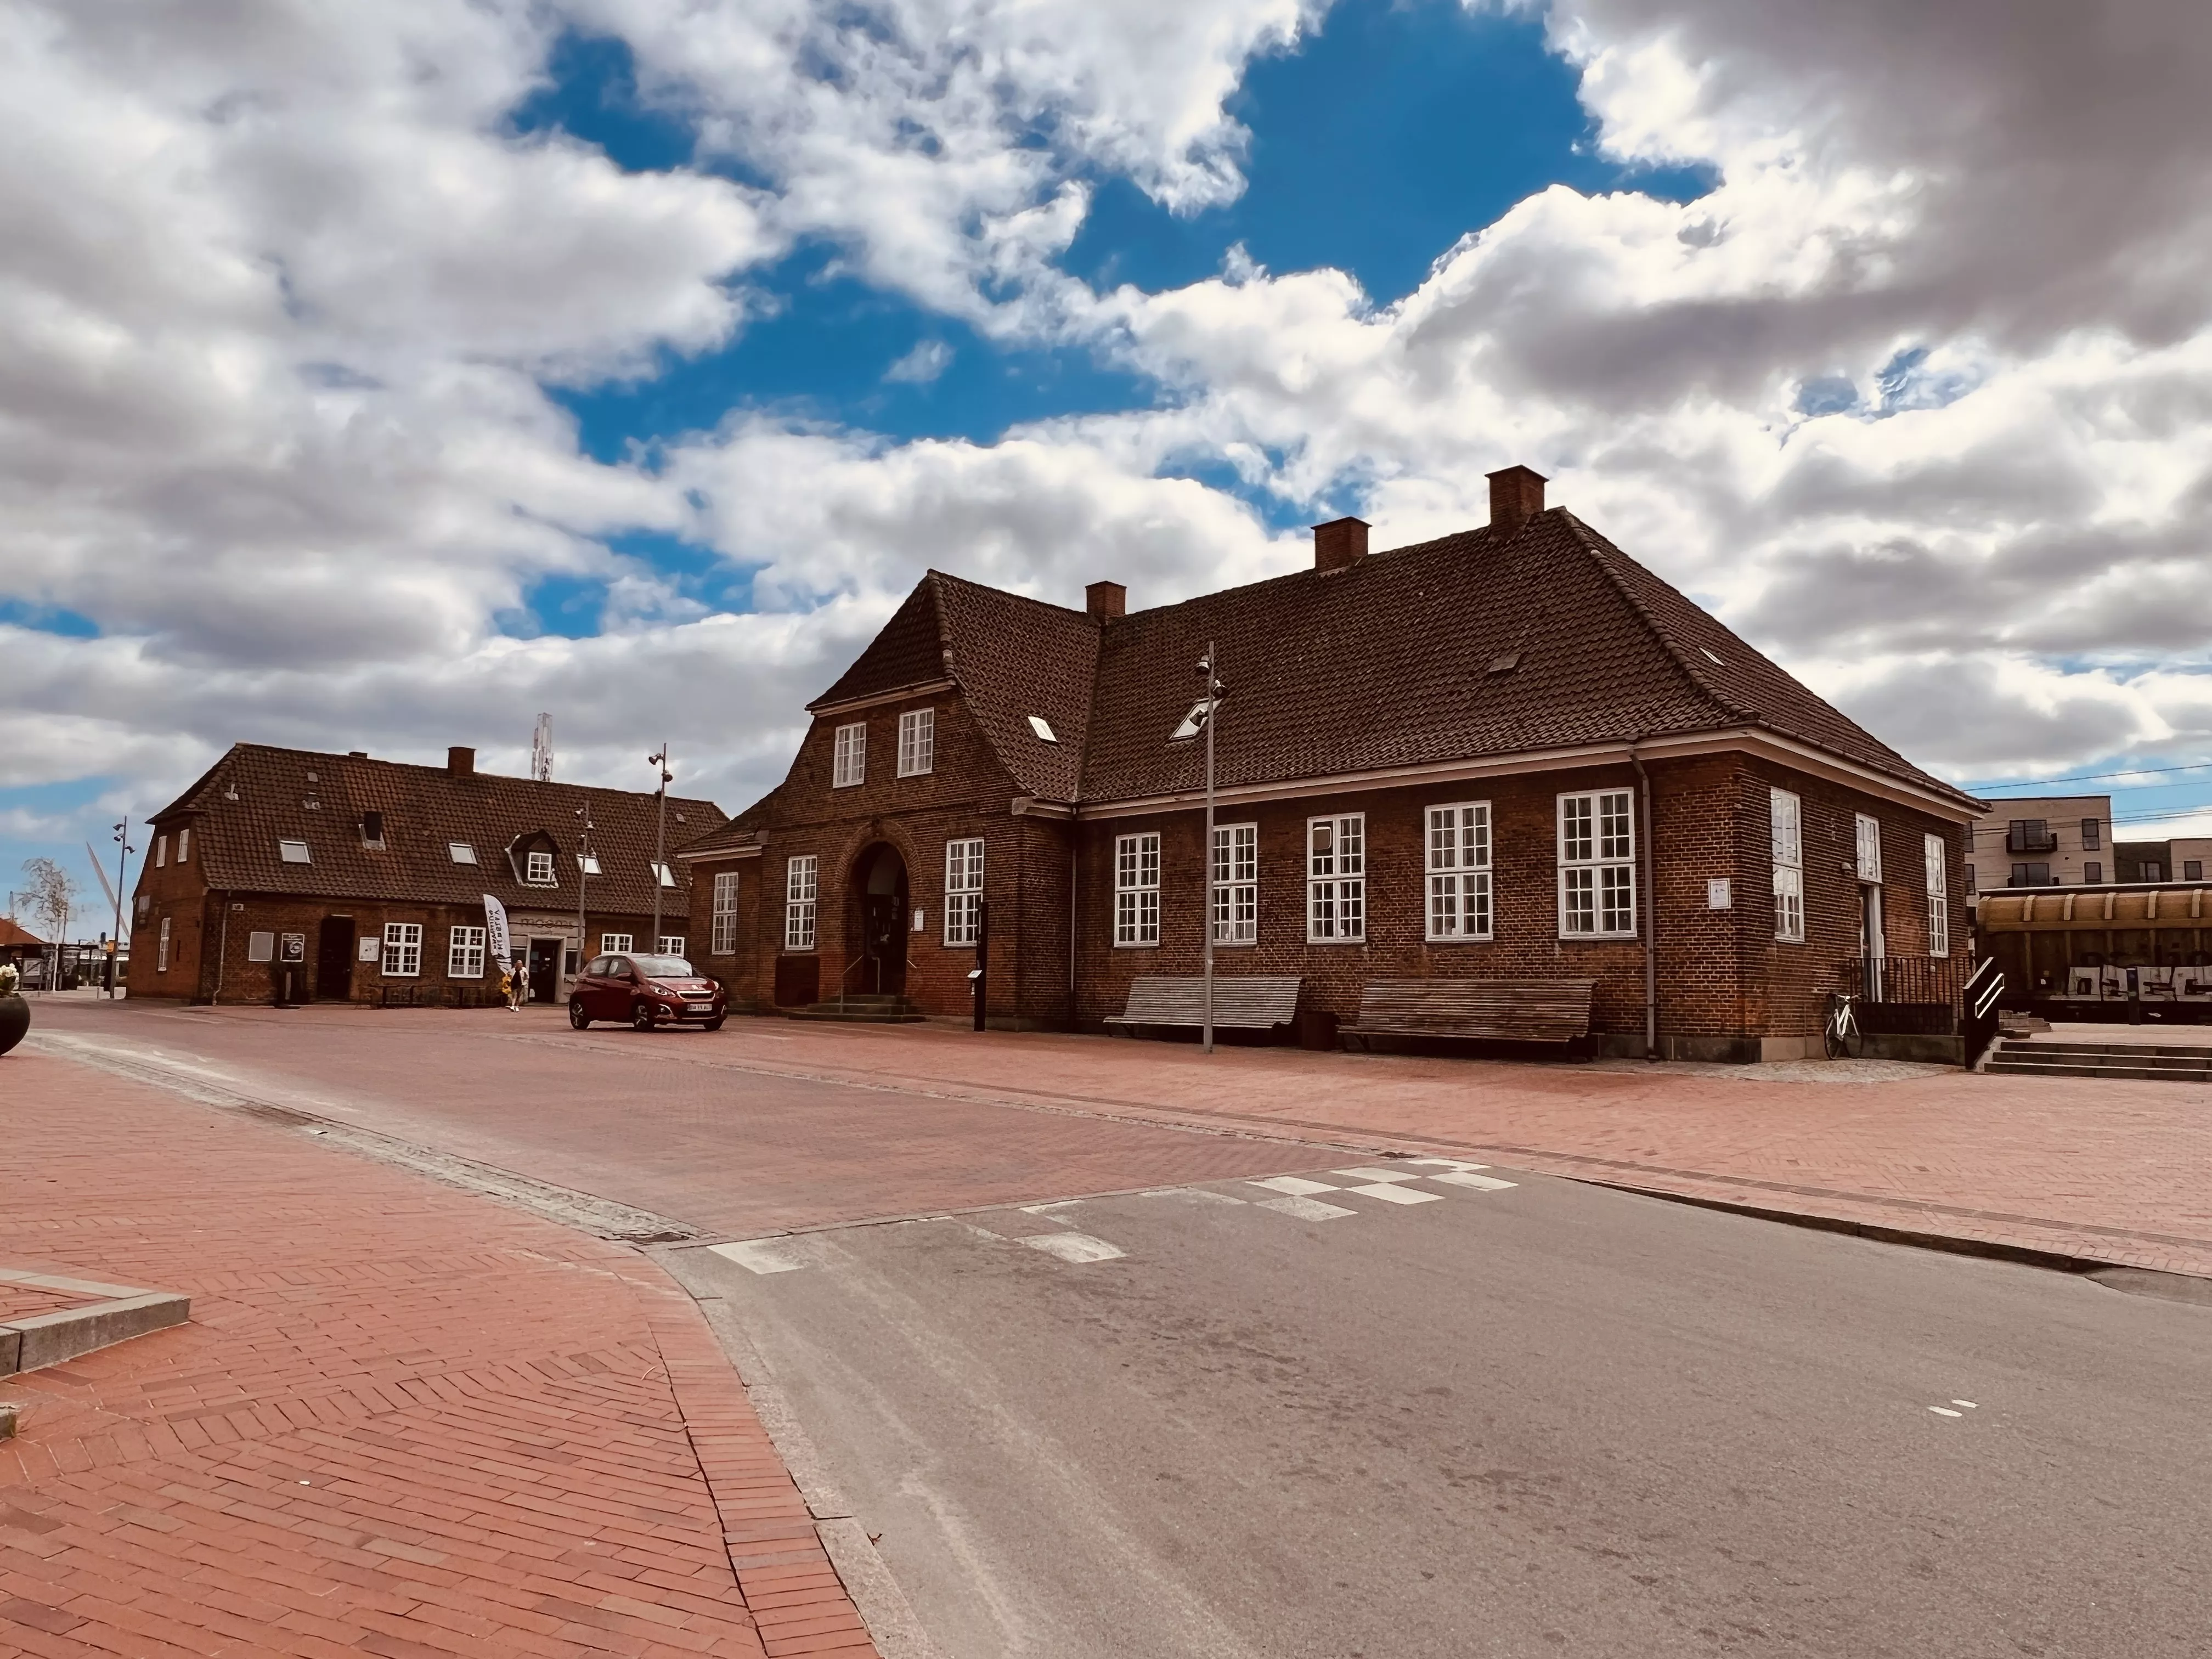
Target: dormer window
[
  {"x": 293, "y": 852},
  {"x": 1194, "y": 722},
  {"x": 537, "y": 868},
  {"x": 371, "y": 830},
  {"x": 1043, "y": 727},
  {"x": 461, "y": 852}
]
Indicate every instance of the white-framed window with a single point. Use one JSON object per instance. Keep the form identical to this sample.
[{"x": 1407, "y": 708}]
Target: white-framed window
[
  {"x": 1597, "y": 864},
  {"x": 403, "y": 950},
  {"x": 917, "y": 742},
  {"x": 293, "y": 852},
  {"x": 1459, "y": 871},
  {"x": 849, "y": 757},
  {"x": 1236, "y": 883},
  {"x": 1939, "y": 896},
  {"x": 537, "y": 868},
  {"x": 963, "y": 891},
  {"x": 161, "y": 954},
  {"x": 1137, "y": 889},
  {"x": 1785, "y": 816},
  {"x": 671, "y": 944},
  {"x": 185, "y": 845},
  {"x": 464, "y": 953},
  {"x": 161, "y": 851},
  {"x": 461, "y": 852},
  {"x": 662, "y": 873},
  {"x": 799, "y": 897},
  {"x": 1043, "y": 729},
  {"x": 588, "y": 863},
  {"x": 1869, "y": 847},
  {"x": 722, "y": 941},
  {"x": 1336, "y": 879},
  {"x": 612, "y": 944}
]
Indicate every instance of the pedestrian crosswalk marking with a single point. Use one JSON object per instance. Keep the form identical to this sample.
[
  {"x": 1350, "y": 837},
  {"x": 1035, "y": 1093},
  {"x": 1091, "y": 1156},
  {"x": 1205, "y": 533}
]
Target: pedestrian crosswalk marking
[
  {"x": 1391, "y": 1192},
  {"x": 1296, "y": 1186},
  {"x": 1481, "y": 1183},
  {"x": 1378, "y": 1174},
  {"x": 758, "y": 1255},
  {"x": 1074, "y": 1248},
  {"x": 1306, "y": 1209}
]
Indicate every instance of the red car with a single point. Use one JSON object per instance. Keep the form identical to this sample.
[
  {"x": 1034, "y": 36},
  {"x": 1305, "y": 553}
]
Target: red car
[{"x": 646, "y": 991}]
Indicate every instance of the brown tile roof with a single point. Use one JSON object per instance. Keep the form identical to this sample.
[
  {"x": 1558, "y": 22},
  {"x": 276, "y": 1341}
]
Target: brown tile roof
[
  {"x": 1013, "y": 657},
  {"x": 1385, "y": 663},
  {"x": 12, "y": 934},
  {"x": 256, "y": 796}
]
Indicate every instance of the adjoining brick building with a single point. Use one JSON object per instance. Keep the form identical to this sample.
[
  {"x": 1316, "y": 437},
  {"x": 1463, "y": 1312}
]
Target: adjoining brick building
[
  {"x": 1511, "y": 753},
  {"x": 346, "y": 878}
]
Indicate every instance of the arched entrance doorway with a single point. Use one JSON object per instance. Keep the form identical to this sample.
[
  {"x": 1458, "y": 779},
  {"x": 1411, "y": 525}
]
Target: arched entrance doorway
[{"x": 879, "y": 883}]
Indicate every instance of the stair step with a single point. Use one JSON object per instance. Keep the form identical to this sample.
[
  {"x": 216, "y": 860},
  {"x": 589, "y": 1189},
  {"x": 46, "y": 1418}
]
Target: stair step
[
  {"x": 2132, "y": 1053},
  {"x": 2013, "y": 1067}
]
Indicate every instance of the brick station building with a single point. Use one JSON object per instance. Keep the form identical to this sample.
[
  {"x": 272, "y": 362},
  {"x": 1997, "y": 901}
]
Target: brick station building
[
  {"x": 363, "y": 880},
  {"x": 1509, "y": 752}
]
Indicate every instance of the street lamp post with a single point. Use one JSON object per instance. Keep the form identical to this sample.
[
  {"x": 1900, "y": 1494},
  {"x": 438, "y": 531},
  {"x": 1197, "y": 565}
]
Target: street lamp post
[
  {"x": 123, "y": 849},
  {"x": 583, "y": 875},
  {"x": 660, "y": 837},
  {"x": 1205, "y": 667}
]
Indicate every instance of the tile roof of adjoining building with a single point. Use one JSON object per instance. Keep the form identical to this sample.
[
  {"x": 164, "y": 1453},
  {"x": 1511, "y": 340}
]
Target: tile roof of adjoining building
[
  {"x": 1470, "y": 645},
  {"x": 1014, "y": 656},
  {"x": 256, "y": 797},
  {"x": 740, "y": 832},
  {"x": 12, "y": 934}
]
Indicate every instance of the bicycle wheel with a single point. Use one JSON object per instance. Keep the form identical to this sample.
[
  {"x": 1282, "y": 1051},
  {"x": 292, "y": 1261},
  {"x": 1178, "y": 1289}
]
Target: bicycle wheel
[{"x": 1832, "y": 1028}]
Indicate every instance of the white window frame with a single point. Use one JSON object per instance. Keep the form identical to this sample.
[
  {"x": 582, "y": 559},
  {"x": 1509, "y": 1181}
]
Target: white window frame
[
  {"x": 848, "y": 762},
  {"x": 403, "y": 950},
  {"x": 964, "y": 891},
  {"x": 1785, "y": 817},
  {"x": 588, "y": 863},
  {"x": 1867, "y": 838},
  {"x": 161, "y": 851},
  {"x": 537, "y": 868},
  {"x": 1457, "y": 861},
  {"x": 1597, "y": 864},
  {"x": 461, "y": 852},
  {"x": 161, "y": 955},
  {"x": 801, "y": 891},
  {"x": 1136, "y": 890},
  {"x": 464, "y": 953},
  {"x": 185, "y": 845},
  {"x": 662, "y": 873},
  {"x": 722, "y": 939},
  {"x": 917, "y": 743},
  {"x": 1236, "y": 883},
  {"x": 671, "y": 944},
  {"x": 1336, "y": 880},
  {"x": 307, "y": 853},
  {"x": 1936, "y": 856},
  {"x": 616, "y": 945}
]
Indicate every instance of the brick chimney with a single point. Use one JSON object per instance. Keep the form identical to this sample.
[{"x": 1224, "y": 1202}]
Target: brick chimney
[
  {"x": 1340, "y": 542},
  {"x": 460, "y": 763},
  {"x": 1104, "y": 599},
  {"x": 1516, "y": 492}
]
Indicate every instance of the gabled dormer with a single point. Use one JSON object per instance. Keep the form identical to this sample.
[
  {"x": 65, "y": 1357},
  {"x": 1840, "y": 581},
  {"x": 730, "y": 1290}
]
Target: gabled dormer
[{"x": 535, "y": 857}]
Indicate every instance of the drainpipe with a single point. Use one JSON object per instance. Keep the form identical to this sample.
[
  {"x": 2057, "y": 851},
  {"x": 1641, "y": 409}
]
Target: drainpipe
[
  {"x": 1650, "y": 916},
  {"x": 222, "y": 951},
  {"x": 1074, "y": 850}
]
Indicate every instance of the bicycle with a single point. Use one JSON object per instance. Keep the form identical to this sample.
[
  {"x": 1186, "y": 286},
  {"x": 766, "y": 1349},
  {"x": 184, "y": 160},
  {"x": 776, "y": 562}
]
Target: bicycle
[{"x": 1839, "y": 1030}]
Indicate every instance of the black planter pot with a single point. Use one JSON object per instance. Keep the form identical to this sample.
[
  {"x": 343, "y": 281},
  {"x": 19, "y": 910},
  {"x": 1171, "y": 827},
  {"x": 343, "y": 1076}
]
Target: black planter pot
[{"x": 15, "y": 1020}]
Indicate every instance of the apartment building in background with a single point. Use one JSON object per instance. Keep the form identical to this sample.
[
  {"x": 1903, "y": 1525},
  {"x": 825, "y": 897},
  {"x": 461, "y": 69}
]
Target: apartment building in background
[{"x": 2049, "y": 840}]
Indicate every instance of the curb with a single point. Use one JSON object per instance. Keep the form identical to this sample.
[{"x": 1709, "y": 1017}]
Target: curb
[{"x": 124, "y": 1311}]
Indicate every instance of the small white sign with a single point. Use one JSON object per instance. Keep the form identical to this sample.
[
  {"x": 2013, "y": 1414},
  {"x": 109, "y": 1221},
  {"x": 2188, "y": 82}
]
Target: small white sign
[
  {"x": 260, "y": 947},
  {"x": 921, "y": 920},
  {"x": 371, "y": 948},
  {"x": 1717, "y": 896}
]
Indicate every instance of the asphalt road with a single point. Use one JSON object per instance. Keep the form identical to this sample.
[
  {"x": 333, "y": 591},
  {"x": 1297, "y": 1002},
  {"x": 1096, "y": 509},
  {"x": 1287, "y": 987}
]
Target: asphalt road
[{"x": 1516, "y": 1421}]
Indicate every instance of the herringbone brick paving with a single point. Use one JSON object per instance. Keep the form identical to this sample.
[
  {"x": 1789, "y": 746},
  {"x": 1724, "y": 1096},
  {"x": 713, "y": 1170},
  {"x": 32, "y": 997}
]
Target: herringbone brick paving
[{"x": 403, "y": 1421}]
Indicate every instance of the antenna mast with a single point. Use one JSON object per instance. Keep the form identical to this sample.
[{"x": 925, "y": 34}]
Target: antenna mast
[{"x": 541, "y": 750}]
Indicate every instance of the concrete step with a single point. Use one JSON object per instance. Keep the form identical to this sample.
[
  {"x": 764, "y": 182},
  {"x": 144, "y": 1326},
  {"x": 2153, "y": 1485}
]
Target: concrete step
[
  {"x": 2132, "y": 1053},
  {"x": 2016, "y": 1068},
  {"x": 869, "y": 1008}
]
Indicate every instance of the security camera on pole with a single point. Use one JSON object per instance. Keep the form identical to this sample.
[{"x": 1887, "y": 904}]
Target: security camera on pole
[{"x": 1212, "y": 697}]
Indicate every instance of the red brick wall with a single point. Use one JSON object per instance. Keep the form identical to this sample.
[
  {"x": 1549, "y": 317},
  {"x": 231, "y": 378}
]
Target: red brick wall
[{"x": 172, "y": 891}]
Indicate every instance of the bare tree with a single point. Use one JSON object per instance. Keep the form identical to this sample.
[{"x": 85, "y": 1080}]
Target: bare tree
[{"x": 50, "y": 894}]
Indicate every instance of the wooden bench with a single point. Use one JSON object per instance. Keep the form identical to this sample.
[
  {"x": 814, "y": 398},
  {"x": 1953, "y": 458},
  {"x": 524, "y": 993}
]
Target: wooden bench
[
  {"x": 1249, "y": 1003},
  {"x": 1494, "y": 1010}
]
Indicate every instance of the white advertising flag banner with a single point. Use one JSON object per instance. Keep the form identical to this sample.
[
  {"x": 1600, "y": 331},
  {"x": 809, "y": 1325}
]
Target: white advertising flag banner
[{"x": 495, "y": 946}]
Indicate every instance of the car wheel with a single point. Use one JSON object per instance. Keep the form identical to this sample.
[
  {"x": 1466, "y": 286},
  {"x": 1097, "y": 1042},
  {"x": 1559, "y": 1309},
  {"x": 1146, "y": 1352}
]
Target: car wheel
[
  {"x": 577, "y": 1016},
  {"x": 640, "y": 1016},
  {"x": 716, "y": 1024}
]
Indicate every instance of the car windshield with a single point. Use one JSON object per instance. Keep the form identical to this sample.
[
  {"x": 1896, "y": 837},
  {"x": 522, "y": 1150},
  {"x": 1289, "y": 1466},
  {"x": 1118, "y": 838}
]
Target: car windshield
[{"x": 663, "y": 967}]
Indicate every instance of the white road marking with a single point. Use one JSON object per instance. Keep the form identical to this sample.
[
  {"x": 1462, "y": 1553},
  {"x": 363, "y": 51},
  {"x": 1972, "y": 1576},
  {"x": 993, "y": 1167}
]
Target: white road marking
[
  {"x": 1296, "y": 1186},
  {"x": 1390, "y": 1194},
  {"x": 1451, "y": 1163},
  {"x": 1075, "y": 1248},
  {"x": 1968, "y": 1404},
  {"x": 1196, "y": 1194},
  {"x": 1945, "y": 1410},
  {"x": 1378, "y": 1174},
  {"x": 758, "y": 1255},
  {"x": 1481, "y": 1183},
  {"x": 1306, "y": 1209},
  {"x": 1047, "y": 1210}
]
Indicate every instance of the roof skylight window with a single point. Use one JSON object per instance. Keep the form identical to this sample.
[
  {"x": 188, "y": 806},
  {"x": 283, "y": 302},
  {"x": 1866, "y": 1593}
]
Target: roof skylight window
[
  {"x": 1043, "y": 727},
  {"x": 294, "y": 852},
  {"x": 588, "y": 863},
  {"x": 1194, "y": 722},
  {"x": 1710, "y": 658},
  {"x": 460, "y": 851}
]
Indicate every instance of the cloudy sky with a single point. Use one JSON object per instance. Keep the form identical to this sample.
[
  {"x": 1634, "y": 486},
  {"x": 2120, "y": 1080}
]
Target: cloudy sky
[{"x": 376, "y": 377}]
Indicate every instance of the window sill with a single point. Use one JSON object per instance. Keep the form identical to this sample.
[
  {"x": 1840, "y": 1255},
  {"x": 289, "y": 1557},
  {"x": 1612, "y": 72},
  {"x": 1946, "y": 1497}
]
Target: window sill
[
  {"x": 850, "y": 783},
  {"x": 931, "y": 772},
  {"x": 1597, "y": 939},
  {"x": 1136, "y": 944},
  {"x": 1362, "y": 941},
  {"x": 1459, "y": 939}
]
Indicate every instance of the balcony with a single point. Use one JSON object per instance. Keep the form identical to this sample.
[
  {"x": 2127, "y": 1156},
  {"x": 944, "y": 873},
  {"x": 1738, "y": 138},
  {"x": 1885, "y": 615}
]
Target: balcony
[{"x": 2032, "y": 836}]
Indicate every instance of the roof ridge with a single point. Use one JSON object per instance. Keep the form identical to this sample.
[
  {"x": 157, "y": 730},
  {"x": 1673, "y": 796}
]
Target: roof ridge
[
  {"x": 1602, "y": 553},
  {"x": 934, "y": 574}
]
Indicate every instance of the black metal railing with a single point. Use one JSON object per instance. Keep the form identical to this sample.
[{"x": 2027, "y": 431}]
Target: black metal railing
[{"x": 1920, "y": 979}]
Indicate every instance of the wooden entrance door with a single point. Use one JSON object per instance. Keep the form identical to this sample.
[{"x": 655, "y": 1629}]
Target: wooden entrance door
[
  {"x": 883, "y": 937},
  {"x": 334, "y": 959}
]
